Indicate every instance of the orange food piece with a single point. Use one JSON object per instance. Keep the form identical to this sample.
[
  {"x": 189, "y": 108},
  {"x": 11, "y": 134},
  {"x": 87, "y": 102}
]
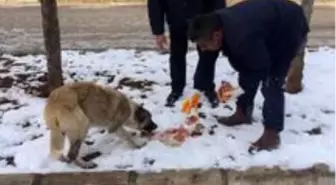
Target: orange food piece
[
  {"x": 182, "y": 130},
  {"x": 192, "y": 120},
  {"x": 186, "y": 106},
  {"x": 181, "y": 135},
  {"x": 171, "y": 131},
  {"x": 173, "y": 136},
  {"x": 195, "y": 100},
  {"x": 225, "y": 91}
]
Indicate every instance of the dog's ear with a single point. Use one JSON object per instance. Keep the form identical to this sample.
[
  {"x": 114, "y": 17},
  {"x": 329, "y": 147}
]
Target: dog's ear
[{"x": 140, "y": 114}]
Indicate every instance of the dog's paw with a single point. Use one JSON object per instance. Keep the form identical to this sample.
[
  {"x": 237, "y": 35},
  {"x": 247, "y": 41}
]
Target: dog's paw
[
  {"x": 140, "y": 145},
  {"x": 139, "y": 142},
  {"x": 85, "y": 165}
]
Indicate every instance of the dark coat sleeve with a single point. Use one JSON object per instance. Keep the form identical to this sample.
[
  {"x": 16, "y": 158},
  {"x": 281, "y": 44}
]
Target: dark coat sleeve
[
  {"x": 156, "y": 16},
  {"x": 213, "y": 5},
  {"x": 219, "y": 4},
  {"x": 254, "y": 56}
]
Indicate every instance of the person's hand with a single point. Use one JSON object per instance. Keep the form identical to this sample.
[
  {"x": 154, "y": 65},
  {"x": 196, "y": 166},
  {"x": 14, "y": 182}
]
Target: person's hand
[{"x": 161, "y": 42}]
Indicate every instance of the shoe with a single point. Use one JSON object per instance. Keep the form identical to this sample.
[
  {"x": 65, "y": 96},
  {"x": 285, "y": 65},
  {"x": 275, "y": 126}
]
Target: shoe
[
  {"x": 212, "y": 98},
  {"x": 270, "y": 140},
  {"x": 238, "y": 118},
  {"x": 172, "y": 98}
]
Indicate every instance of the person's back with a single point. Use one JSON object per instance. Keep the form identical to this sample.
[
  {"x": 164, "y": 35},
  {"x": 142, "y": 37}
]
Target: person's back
[{"x": 271, "y": 19}]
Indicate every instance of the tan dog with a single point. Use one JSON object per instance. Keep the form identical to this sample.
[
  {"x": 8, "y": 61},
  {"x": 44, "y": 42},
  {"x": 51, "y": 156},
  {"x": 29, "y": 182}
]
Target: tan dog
[{"x": 72, "y": 108}]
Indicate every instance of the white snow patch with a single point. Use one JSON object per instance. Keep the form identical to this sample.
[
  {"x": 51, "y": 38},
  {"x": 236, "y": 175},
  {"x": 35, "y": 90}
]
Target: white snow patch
[{"x": 227, "y": 148}]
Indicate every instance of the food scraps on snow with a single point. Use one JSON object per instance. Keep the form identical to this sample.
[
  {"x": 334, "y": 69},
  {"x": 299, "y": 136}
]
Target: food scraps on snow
[
  {"x": 190, "y": 127},
  {"x": 225, "y": 91},
  {"x": 189, "y": 104}
]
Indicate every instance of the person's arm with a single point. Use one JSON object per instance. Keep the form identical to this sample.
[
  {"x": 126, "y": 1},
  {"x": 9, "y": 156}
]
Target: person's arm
[
  {"x": 219, "y": 4},
  {"x": 156, "y": 15},
  {"x": 213, "y": 5}
]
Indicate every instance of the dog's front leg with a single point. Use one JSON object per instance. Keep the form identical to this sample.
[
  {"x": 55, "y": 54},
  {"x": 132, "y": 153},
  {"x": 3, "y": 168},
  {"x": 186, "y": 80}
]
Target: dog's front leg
[{"x": 132, "y": 137}]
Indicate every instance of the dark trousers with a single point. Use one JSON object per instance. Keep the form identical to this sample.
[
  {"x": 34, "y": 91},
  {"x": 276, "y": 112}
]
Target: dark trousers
[
  {"x": 272, "y": 84},
  {"x": 205, "y": 71}
]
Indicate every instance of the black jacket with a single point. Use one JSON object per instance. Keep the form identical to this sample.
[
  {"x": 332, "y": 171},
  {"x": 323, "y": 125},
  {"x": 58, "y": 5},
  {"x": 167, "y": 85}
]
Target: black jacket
[
  {"x": 177, "y": 12},
  {"x": 254, "y": 29}
]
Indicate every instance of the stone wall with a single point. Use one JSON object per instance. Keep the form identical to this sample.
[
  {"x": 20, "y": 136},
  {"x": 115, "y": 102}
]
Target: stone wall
[{"x": 318, "y": 175}]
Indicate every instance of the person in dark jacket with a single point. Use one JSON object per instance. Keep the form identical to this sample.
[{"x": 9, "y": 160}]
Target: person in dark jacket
[
  {"x": 260, "y": 38},
  {"x": 177, "y": 13}
]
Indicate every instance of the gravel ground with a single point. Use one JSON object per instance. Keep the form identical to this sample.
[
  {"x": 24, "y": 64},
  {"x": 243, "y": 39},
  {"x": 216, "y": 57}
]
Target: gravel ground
[{"x": 84, "y": 27}]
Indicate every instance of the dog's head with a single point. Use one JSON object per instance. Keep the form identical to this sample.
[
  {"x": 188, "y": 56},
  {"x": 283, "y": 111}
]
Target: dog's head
[{"x": 144, "y": 119}]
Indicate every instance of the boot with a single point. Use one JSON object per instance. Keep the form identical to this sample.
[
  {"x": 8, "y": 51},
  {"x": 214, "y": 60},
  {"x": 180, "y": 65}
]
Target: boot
[
  {"x": 238, "y": 118},
  {"x": 295, "y": 75},
  {"x": 172, "y": 98},
  {"x": 212, "y": 98},
  {"x": 270, "y": 140}
]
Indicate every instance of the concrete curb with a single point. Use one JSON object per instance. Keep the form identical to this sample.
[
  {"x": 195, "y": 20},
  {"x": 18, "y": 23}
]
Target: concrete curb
[{"x": 317, "y": 175}]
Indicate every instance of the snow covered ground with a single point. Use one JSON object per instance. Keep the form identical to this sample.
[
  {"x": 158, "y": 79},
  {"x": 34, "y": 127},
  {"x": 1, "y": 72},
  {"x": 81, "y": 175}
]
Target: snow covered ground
[{"x": 308, "y": 138}]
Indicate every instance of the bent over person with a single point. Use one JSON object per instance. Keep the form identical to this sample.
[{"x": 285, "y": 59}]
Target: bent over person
[
  {"x": 177, "y": 13},
  {"x": 260, "y": 39}
]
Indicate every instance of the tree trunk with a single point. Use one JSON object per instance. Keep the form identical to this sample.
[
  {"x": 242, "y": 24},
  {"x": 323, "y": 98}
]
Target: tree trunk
[
  {"x": 295, "y": 73},
  {"x": 51, "y": 33}
]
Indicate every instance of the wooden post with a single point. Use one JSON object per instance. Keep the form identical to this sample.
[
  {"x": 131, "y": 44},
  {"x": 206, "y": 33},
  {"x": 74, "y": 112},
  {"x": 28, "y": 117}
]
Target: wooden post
[{"x": 51, "y": 33}]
